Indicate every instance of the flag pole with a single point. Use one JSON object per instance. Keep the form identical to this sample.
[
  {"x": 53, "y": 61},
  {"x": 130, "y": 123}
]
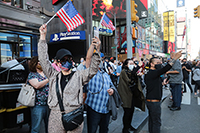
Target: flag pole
[
  {"x": 101, "y": 20},
  {"x": 51, "y": 19},
  {"x": 182, "y": 44}
]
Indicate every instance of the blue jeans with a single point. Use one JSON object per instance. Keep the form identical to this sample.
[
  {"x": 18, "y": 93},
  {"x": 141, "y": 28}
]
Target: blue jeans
[
  {"x": 95, "y": 119},
  {"x": 154, "y": 116},
  {"x": 176, "y": 94},
  {"x": 39, "y": 113}
]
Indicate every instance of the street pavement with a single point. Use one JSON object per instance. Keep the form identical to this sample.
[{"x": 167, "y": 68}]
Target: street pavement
[
  {"x": 184, "y": 121},
  {"x": 139, "y": 120}
]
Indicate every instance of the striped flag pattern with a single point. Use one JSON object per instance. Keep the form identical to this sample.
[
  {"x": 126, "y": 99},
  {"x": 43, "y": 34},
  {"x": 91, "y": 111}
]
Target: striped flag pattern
[
  {"x": 105, "y": 21},
  {"x": 184, "y": 32},
  {"x": 70, "y": 16}
]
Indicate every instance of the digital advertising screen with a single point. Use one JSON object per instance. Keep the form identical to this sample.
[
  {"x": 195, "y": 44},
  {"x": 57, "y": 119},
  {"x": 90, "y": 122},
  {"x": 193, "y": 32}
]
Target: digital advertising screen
[{"x": 118, "y": 7}]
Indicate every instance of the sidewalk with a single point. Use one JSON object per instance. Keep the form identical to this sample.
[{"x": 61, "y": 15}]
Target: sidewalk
[{"x": 139, "y": 119}]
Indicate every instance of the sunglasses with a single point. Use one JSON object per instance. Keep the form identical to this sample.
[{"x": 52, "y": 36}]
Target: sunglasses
[{"x": 65, "y": 59}]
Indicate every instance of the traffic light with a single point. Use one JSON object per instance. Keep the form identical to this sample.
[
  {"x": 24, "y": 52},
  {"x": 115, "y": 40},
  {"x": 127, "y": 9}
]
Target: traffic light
[
  {"x": 134, "y": 17},
  {"x": 197, "y": 12},
  {"x": 134, "y": 33}
]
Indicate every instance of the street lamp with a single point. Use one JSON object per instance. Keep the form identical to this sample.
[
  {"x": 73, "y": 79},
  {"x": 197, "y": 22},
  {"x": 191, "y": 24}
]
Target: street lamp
[{"x": 115, "y": 40}]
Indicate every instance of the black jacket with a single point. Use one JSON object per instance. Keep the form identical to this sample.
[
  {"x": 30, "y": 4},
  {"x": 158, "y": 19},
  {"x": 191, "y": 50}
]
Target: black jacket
[{"x": 114, "y": 102}]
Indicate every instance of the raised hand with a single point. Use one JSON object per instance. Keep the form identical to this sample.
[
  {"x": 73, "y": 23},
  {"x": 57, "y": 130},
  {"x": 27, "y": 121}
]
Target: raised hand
[
  {"x": 178, "y": 55},
  {"x": 43, "y": 31},
  {"x": 96, "y": 42}
]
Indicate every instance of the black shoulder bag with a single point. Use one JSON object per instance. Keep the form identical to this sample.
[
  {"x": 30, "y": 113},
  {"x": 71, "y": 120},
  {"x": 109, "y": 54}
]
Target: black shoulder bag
[{"x": 72, "y": 119}]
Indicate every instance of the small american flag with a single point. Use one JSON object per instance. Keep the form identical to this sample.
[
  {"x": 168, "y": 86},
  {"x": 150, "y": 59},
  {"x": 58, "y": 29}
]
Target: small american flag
[
  {"x": 70, "y": 16},
  {"x": 105, "y": 21},
  {"x": 184, "y": 32}
]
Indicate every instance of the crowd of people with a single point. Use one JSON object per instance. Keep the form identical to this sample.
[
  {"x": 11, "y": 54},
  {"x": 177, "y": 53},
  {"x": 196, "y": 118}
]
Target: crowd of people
[{"x": 104, "y": 84}]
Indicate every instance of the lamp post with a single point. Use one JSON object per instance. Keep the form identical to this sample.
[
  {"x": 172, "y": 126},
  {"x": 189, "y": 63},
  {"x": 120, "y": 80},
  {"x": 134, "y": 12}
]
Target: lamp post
[{"x": 128, "y": 29}]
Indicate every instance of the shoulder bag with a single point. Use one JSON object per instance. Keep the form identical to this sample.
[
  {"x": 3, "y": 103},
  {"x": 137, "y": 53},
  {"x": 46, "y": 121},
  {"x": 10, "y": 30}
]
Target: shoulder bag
[
  {"x": 72, "y": 119},
  {"x": 27, "y": 95}
]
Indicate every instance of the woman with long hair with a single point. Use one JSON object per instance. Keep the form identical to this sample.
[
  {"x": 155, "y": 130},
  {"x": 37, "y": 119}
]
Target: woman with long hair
[{"x": 39, "y": 81}]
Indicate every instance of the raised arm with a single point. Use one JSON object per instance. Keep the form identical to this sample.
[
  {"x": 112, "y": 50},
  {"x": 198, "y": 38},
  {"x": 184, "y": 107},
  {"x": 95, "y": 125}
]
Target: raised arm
[
  {"x": 95, "y": 44},
  {"x": 92, "y": 61},
  {"x": 43, "y": 56}
]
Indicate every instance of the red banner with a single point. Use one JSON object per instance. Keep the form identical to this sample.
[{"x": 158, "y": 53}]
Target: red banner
[
  {"x": 140, "y": 52},
  {"x": 145, "y": 51},
  {"x": 147, "y": 46},
  {"x": 133, "y": 50}
]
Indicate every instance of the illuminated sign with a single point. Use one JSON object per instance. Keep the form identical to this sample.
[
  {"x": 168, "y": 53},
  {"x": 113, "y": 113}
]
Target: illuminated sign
[
  {"x": 74, "y": 35},
  {"x": 54, "y": 2},
  {"x": 117, "y": 7},
  {"x": 171, "y": 47},
  {"x": 166, "y": 26},
  {"x": 171, "y": 27},
  {"x": 180, "y": 3},
  {"x": 101, "y": 30}
]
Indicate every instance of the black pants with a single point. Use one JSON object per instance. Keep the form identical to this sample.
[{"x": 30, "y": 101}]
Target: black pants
[
  {"x": 186, "y": 81},
  {"x": 127, "y": 118},
  {"x": 95, "y": 119},
  {"x": 197, "y": 86},
  {"x": 154, "y": 116}
]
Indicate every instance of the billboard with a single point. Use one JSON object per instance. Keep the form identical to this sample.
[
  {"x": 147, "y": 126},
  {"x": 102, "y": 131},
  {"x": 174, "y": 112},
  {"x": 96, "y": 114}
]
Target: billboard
[
  {"x": 142, "y": 8},
  {"x": 171, "y": 27},
  {"x": 180, "y": 28},
  {"x": 117, "y": 7},
  {"x": 180, "y": 15},
  {"x": 123, "y": 39},
  {"x": 54, "y": 2},
  {"x": 166, "y": 26},
  {"x": 170, "y": 47},
  {"x": 180, "y": 3}
]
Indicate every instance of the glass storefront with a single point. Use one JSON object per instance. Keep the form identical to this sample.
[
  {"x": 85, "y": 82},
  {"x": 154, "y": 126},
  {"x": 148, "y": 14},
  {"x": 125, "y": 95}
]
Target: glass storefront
[{"x": 14, "y": 46}]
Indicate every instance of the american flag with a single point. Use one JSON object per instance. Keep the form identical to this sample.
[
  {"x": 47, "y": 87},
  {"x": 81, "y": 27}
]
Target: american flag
[
  {"x": 70, "y": 16},
  {"x": 105, "y": 21},
  {"x": 184, "y": 32}
]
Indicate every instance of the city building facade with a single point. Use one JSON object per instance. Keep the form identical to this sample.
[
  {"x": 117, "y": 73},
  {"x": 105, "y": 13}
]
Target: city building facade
[{"x": 19, "y": 23}]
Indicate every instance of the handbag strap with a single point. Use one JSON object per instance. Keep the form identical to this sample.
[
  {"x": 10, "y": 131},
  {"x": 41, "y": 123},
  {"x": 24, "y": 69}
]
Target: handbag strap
[
  {"x": 59, "y": 97},
  {"x": 60, "y": 101}
]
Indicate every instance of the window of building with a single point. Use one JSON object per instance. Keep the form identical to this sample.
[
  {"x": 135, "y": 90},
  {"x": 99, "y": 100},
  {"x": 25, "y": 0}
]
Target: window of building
[
  {"x": 14, "y": 46},
  {"x": 16, "y": 3},
  {"x": 25, "y": 46}
]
